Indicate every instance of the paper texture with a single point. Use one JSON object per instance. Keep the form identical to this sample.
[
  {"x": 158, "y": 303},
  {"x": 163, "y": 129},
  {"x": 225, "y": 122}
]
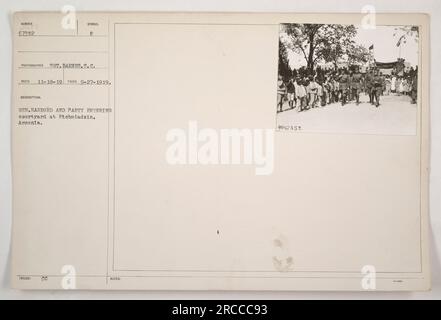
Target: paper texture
[{"x": 123, "y": 177}]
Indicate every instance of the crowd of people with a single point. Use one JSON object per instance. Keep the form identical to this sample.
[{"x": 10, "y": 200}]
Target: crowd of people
[
  {"x": 399, "y": 85},
  {"x": 305, "y": 91}
]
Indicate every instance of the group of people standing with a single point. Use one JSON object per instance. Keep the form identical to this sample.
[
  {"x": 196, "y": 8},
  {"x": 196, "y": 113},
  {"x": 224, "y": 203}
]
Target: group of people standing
[
  {"x": 340, "y": 86},
  {"x": 400, "y": 85}
]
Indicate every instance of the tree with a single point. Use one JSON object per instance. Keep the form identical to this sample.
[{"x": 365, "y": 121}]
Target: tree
[
  {"x": 358, "y": 54},
  {"x": 284, "y": 68},
  {"x": 405, "y": 32},
  {"x": 334, "y": 43},
  {"x": 333, "y": 54},
  {"x": 320, "y": 42},
  {"x": 302, "y": 40}
]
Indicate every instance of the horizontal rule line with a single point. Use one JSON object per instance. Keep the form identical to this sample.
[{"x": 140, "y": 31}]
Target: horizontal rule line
[
  {"x": 33, "y": 51},
  {"x": 61, "y": 68},
  {"x": 211, "y": 276},
  {"x": 65, "y": 35},
  {"x": 264, "y": 271},
  {"x": 62, "y": 84},
  {"x": 201, "y": 23}
]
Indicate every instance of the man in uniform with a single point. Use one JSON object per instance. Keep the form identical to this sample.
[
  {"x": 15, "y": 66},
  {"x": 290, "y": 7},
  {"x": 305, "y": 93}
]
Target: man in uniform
[
  {"x": 291, "y": 91},
  {"x": 414, "y": 88},
  {"x": 356, "y": 83},
  {"x": 344, "y": 86},
  {"x": 377, "y": 87},
  {"x": 335, "y": 88},
  {"x": 368, "y": 86}
]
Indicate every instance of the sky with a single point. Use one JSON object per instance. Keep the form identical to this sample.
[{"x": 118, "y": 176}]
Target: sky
[
  {"x": 384, "y": 39},
  {"x": 385, "y": 44}
]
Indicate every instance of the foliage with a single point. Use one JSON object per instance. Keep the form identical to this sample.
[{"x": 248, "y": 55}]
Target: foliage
[
  {"x": 406, "y": 32},
  {"x": 284, "y": 68},
  {"x": 325, "y": 43}
]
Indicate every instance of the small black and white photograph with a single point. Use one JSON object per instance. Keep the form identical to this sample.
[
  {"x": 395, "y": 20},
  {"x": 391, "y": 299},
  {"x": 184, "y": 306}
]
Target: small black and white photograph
[{"x": 335, "y": 78}]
